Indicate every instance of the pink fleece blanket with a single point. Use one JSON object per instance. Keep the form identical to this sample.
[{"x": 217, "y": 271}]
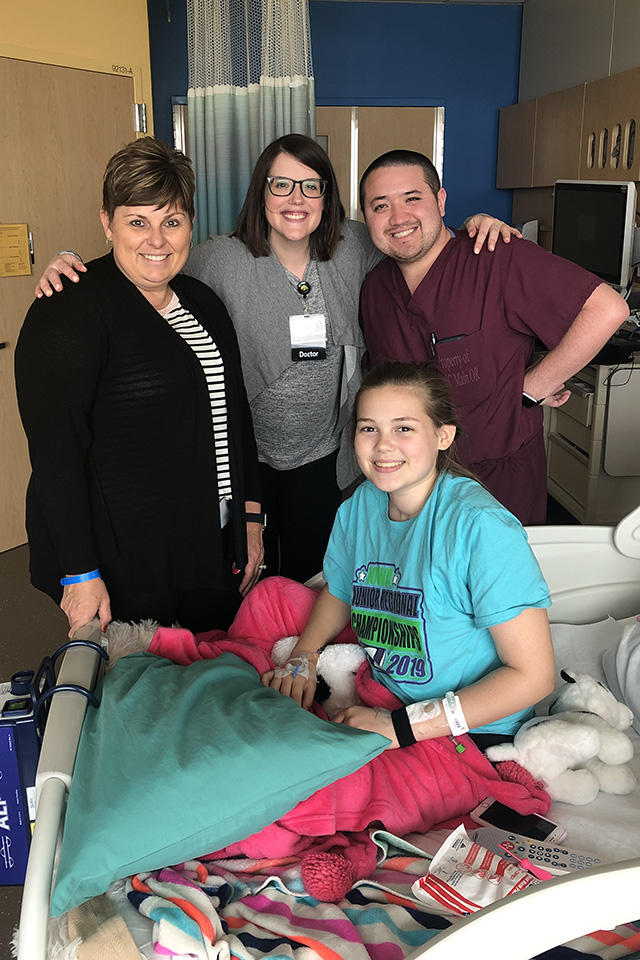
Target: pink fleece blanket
[{"x": 406, "y": 790}]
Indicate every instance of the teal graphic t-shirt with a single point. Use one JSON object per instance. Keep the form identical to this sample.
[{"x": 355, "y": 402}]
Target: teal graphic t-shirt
[{"x": 423, "y": 592}]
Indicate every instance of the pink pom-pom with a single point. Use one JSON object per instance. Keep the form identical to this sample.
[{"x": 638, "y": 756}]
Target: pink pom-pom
[
  {"x": 512, "y": 771},
  {"x": 327, "y": 876}
]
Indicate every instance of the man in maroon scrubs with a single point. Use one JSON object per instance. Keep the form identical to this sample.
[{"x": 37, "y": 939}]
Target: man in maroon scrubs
[{"x": 477, "y": 317}]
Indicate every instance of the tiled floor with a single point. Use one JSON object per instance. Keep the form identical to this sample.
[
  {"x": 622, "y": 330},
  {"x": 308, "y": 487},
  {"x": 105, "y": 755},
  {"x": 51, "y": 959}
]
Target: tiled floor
[{"x": 31, "y": 625}]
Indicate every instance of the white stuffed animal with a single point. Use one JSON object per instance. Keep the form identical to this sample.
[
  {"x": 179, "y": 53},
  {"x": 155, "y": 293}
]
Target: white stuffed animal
[
  {"x": 337, "y": 666},
  {"x": 580, "y": 749}
]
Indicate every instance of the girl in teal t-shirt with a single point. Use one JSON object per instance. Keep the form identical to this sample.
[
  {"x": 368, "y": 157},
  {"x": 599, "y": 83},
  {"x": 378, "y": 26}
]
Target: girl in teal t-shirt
[{"x": 436, "y": 578}]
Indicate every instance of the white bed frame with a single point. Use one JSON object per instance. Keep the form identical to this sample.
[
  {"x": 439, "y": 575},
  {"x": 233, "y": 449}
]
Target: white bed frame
[{"x": 592, "y": 572}]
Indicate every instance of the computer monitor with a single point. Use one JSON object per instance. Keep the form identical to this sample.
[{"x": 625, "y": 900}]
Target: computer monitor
[{"x": 593, "y": 225}]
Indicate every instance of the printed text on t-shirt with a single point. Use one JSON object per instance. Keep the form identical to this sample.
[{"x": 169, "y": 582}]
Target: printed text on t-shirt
[{"x": 389, "y": 622}]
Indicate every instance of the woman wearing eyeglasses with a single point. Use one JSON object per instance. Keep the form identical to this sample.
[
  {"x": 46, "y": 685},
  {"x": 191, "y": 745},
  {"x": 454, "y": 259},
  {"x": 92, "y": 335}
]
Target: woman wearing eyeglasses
[{"x": 290, "y": 277}]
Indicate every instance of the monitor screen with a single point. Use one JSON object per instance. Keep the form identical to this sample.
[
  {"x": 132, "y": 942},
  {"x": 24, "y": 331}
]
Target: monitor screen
[{"x": 593, "y": 224}]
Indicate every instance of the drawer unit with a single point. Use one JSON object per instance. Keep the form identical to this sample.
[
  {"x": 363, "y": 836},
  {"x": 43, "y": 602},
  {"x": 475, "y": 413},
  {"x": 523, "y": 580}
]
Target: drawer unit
[
  {"x": 573, "y": 431},
  {"x": 579, "y": 406},
  {"x": 569, "y": 468},
  {"x": 582, "y": 431}
]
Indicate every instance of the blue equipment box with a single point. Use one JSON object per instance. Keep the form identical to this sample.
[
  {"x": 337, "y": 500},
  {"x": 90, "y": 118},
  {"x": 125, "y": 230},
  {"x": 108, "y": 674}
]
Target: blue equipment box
[{"x": 19, "y": 752}]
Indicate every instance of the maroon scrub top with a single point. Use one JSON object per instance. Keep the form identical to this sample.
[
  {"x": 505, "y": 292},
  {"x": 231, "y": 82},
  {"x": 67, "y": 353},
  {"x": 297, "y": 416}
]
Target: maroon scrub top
[{"x": 477, "y": 317}]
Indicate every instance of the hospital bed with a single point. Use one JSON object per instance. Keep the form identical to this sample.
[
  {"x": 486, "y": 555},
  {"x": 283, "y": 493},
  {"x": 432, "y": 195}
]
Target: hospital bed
[{"x": 593, "y": 574}]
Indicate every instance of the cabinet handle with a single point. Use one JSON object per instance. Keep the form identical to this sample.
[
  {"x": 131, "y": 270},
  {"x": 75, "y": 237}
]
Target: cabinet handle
[{"x": 580, "y": 387}]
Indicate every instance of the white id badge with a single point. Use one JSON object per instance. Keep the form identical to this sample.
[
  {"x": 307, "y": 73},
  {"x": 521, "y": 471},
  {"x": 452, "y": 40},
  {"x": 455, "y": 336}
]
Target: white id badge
[{"x": 308, "y": 336}]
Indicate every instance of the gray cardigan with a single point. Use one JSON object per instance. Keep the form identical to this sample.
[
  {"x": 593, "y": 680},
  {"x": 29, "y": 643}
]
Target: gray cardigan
[{"x": 260, "y": 298}]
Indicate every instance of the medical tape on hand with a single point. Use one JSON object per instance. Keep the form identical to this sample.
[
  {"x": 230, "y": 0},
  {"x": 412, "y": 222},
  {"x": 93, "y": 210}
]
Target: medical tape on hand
[
  {"x": 453, "y": 712},
  {"x": 297, "y": 667},
  {"x": 419, "y": 717}
]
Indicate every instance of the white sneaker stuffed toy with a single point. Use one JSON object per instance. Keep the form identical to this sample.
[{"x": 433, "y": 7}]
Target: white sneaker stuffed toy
[{"x": 581, "y": 747}]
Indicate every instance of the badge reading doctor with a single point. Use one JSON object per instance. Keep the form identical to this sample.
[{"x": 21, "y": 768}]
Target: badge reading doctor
[{"x": 308, "y": 336}]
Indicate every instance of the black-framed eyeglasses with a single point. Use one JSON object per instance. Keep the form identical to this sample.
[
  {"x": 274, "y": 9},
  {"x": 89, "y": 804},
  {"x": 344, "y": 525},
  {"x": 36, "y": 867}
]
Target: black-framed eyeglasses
[{"x": 312, "y": 187}]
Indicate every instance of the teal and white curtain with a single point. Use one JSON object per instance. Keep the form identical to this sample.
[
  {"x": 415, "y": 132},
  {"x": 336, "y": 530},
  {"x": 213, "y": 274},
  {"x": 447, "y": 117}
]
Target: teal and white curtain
[{"x": 250, "y": 81}]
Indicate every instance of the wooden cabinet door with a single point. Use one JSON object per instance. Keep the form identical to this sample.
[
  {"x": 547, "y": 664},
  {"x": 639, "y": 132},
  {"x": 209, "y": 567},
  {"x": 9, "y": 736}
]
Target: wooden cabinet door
[
  {"x": 556, "y": 154},
  {"x": 516, "y": 141},
  {"x": 357, "y": 135},
  {"x": 610, "y": 149},
  {"x": 395, "y": 128},
  {"x": 59, "y": 127},
  {"x": 333, "y": 130}
]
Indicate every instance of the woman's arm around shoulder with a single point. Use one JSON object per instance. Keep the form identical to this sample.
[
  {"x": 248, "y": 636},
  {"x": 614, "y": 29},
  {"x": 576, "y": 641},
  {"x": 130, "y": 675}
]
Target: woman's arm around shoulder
[
  {"x": 217, "y": 262},
  {"x": 356, "y": 236},
  {"x": 488, "y": 229},
  {"x": 66, "y": 263}
]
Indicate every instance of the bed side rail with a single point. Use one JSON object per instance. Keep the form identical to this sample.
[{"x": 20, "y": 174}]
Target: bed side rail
[
  {"x": 80, "y": 666},
  {"x": 592, "y": 572},
  {"x": 550, "y": 914}
]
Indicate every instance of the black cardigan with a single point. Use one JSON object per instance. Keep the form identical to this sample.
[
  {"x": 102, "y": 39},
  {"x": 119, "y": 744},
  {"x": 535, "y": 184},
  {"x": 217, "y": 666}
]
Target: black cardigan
[{"x": 117, "y": 414}]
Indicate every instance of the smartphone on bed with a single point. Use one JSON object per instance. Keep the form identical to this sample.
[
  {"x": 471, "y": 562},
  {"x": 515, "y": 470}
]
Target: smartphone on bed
[{"x": 492, "y": 813}]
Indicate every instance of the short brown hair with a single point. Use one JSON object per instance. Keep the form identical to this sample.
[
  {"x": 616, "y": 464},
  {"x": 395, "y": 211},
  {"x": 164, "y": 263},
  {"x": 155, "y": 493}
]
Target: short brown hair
[
  {"x": 148, "y": 173},
  {"x": 438, "y": 404},
  {"x": 252, "y": 226},
  {"x": 403, "y": 158}
]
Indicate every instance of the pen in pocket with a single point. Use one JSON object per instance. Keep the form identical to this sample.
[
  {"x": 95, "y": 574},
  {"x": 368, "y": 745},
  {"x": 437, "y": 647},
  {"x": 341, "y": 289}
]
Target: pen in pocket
[{"x": 434, "y": 342}]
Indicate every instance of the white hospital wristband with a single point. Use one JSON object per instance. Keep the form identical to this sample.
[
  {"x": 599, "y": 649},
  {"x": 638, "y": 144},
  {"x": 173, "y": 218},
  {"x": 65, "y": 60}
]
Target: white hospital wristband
[{"x": 453, "y": 712}]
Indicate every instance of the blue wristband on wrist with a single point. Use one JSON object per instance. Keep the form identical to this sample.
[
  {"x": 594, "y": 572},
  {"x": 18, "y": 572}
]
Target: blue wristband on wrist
[{"x": 80, "y": 577}]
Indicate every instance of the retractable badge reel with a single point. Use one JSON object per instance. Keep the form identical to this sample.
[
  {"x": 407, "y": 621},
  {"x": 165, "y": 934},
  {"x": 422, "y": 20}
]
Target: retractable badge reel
[{"x": 308, "y": 330}]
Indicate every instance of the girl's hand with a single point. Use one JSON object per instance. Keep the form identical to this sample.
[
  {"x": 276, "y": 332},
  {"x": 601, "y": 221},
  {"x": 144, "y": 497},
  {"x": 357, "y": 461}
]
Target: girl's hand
[
  {"x": 484, "y": 227},
  {"x": 296, "y": 679},
  {"x": 367, "y": 718},
  {"x": 62, "y": 263},
  {"x": 83, "y": 601},
  {"x": 255, "y": 553}
]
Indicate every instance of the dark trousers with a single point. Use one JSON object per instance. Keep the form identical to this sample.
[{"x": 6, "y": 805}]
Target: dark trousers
[
  {"x": 519, "y": 481},
  {"x": 301, "y": 506}
]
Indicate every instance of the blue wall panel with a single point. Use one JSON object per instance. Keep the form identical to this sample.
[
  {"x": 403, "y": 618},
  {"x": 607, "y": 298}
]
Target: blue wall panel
[
  {"x": 169, "y": 63},
  {"x": 463, "y": 57}
]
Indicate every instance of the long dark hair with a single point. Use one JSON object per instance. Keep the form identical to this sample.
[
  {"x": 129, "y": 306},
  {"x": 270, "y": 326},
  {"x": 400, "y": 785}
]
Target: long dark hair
[
  {"x": 437, "y": 402},
  {"x": 252, "y": 227}
]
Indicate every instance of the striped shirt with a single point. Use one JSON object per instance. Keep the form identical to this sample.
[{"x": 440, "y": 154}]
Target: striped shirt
[{"x": 193, "y": 334}]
